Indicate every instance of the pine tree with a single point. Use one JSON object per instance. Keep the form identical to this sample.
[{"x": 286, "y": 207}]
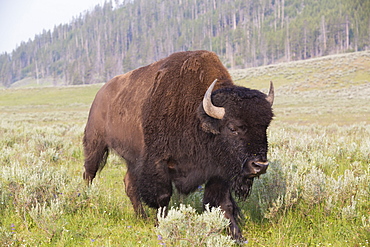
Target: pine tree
[{"x": 108, "y": 41}]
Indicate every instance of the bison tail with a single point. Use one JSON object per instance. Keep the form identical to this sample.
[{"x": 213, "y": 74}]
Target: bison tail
[
  {"x": 103, "y": 161},
  {"x": 96, "y": 155}
]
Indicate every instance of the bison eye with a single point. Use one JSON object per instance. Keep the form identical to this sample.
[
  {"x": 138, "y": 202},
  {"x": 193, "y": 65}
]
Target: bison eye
[{"x": 233, "y": 129}]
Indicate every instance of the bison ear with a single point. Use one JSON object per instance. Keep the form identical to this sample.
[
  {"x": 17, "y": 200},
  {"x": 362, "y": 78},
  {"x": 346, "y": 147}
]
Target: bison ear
[
  {"x": 209, "y": 128},
  {"x": 208, "y": 124}
]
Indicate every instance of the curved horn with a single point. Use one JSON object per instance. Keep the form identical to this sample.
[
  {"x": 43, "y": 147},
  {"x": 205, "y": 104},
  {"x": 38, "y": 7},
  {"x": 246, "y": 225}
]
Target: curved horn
[
  {"x": 270, "y": 96},
  {"x": 209, "y": 108}
]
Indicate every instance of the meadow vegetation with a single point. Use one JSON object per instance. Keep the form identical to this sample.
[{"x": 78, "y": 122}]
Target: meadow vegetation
[{"x": 316, "y": 191}]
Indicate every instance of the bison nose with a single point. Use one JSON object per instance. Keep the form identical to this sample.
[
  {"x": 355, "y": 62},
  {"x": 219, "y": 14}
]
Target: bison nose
[{"x": 260, "y": 167}]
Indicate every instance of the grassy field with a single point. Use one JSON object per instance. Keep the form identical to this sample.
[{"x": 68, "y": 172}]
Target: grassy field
[{"x": 315, "y": 193}]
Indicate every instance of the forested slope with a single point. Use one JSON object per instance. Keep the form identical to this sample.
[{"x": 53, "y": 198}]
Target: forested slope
[{"x": 112, "y": 40}]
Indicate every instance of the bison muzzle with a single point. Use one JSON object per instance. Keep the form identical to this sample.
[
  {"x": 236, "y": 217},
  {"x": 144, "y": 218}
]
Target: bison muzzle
[{"x": 181, "y": 122}]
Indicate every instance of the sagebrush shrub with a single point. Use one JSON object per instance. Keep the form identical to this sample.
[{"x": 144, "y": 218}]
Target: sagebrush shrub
[{"x": 183, "y": 226}]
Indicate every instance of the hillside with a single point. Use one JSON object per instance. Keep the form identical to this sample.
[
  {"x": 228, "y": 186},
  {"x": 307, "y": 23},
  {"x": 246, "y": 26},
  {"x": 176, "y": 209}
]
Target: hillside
[
  {"x": 108, "y": 41},
  {"x": 326, "y": 90}
]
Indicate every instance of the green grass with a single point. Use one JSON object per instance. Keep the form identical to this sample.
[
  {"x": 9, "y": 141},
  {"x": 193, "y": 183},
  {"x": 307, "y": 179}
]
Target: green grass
[
  {"x": 48, "y": 96},
  {"x": 315, "y": 193}
]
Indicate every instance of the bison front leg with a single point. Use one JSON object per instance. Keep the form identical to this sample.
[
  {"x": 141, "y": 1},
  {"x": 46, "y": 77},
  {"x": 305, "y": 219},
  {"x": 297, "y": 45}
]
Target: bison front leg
[
  {"x": 132, "y": 192},
  {"x": 155, "y": 187},
  {"x": 217, "y": 193}
]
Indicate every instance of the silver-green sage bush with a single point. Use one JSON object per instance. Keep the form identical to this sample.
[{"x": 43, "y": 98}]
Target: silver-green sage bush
[{"x": 184, "y": 226}]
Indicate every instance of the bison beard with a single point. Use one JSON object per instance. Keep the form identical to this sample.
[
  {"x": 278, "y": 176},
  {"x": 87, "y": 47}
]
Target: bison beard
[
  {"x": 173, "y": 129},
  {"x": 242, "y": 187}
]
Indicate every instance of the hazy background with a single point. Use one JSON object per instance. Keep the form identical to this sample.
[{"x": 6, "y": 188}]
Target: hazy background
[
  {"x": 21, "y": 20},
  {"x": 96, "y": 41}
]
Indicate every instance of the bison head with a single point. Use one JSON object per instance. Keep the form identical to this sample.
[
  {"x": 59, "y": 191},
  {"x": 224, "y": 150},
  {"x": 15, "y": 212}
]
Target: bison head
[{"x": 238, "y": 119}]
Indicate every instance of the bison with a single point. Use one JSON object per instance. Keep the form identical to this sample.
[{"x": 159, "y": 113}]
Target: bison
[{"x": 181, "y": 122}]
